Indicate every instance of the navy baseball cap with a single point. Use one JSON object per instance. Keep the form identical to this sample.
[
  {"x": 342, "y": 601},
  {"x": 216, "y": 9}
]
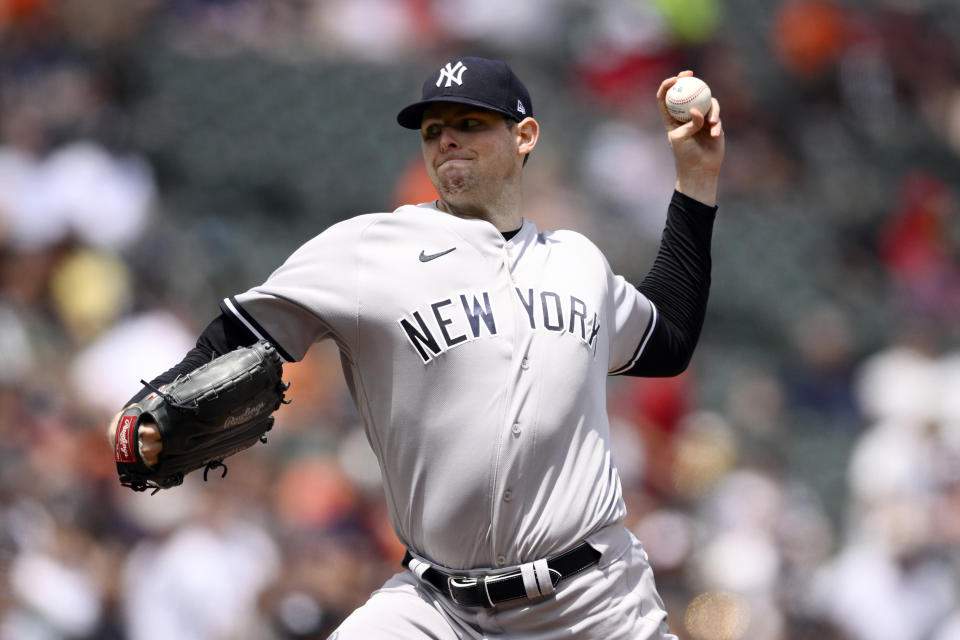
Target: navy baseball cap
[{"x": 489, "y": 84}]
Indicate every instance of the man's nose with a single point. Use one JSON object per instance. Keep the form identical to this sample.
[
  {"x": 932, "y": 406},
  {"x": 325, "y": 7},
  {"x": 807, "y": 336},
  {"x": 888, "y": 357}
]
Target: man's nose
[{"x": 447, "y": 141}]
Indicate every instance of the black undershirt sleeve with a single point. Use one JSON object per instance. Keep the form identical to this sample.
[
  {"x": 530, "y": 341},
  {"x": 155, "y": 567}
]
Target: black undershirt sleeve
[
  {"x": 224, "y": 334},
  {"x": 678, "y": 284}
]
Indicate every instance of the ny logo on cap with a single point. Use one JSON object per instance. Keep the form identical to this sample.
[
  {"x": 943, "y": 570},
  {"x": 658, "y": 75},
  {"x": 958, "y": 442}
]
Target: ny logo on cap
[{"x": 448, "y": 73}]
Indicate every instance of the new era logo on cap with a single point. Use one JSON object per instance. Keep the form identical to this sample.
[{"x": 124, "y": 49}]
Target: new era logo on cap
[{"x": 489, "y": 84}]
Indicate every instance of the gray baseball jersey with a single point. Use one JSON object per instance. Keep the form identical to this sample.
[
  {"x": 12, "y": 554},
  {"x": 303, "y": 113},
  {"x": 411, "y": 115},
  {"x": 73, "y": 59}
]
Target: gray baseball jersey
[{"x": 479, "y": 367}]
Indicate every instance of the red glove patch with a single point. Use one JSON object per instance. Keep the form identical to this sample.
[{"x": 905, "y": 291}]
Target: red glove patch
[{"x": 124, "y": 445}]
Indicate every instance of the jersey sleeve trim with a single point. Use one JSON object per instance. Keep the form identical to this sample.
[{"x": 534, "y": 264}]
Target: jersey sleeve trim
[
  {"x": 643, "y": 342},
  {"x": 232, "y": 307}
]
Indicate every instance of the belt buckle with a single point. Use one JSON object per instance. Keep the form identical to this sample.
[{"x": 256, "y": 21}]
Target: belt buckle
[
  {"x": 461, "y": 582},
  {"x": 466, "y": 583}
]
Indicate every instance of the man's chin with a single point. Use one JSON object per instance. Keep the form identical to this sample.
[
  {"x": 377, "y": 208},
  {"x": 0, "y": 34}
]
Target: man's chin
[{"x": 454, "y": 184}]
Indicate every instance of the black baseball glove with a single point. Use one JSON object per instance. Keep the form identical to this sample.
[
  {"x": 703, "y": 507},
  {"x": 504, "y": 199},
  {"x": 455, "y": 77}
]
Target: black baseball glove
[{"x": 221, "y": 408}]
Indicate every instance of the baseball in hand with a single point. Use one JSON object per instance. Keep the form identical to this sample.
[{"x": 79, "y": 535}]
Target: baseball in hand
[{"x": 686, "y": 93}]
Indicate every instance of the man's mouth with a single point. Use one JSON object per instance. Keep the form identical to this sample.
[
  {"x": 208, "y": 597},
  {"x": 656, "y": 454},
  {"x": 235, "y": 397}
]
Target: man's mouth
[{"x": 451, "y": 159}]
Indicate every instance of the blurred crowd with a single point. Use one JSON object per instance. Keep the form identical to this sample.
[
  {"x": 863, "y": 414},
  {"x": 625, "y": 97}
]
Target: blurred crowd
[{"x": 800, "y": 481}]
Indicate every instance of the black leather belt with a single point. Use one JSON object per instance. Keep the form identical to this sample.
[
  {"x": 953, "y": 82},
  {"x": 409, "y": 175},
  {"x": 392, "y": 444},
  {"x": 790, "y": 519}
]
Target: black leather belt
[{"x": 490, "y": 590}]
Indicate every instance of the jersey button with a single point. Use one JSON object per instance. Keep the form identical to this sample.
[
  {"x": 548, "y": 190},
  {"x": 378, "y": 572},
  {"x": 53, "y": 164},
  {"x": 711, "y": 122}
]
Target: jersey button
[
  {"x": 507, "y": 495},
  {"x": 501, "y": 560},
  {"x": 516, "y": 428},
  {"x": 524, "y": 364}
]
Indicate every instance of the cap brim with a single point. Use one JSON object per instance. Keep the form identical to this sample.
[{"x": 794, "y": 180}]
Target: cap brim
[{"x": 411, "y": 116}]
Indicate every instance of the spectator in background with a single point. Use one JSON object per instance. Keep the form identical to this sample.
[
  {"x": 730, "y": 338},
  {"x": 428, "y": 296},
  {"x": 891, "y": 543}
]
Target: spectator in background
[{"x": 919, "y": 248}]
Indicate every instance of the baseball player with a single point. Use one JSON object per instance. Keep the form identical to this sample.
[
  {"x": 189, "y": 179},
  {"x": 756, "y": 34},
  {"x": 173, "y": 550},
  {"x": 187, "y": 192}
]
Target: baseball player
[{"x": 477, "y": 348}]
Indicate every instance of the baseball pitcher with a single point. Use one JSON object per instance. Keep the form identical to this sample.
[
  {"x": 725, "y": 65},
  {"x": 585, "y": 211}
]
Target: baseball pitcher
[{"x": 477, "y": 349}]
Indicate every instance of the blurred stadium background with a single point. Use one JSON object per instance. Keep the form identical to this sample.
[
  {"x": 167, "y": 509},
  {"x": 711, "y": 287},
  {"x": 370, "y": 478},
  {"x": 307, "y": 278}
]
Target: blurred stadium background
[{"x": 800, "y": 481}]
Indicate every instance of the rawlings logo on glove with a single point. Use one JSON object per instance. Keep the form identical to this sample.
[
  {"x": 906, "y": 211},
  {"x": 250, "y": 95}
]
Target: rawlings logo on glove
[
  {"x": 248, "y": 413},
  {"x": 125, "y": 444},
  {"x": 219, "y": 409}
]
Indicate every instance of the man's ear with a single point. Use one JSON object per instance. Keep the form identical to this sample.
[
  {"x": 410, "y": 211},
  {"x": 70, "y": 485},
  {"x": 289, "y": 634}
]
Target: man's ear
[{"x": 528, "y": 132}]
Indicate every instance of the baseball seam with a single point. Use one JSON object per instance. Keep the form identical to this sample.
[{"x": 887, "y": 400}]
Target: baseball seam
[{"x": 692, "y": 96}]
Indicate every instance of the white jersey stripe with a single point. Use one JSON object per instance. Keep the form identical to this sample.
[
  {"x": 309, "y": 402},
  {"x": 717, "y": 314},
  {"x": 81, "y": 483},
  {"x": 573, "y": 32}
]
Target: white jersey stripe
[
  {"x": 229, "y": 304},
  {"x": 643, "y": 341},
  {"x": 233, "y": 307}
]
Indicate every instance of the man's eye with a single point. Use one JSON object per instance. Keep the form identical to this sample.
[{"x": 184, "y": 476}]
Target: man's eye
[
  {"x": 431, "y": 131},
  {"x": 470, "y": 123}
]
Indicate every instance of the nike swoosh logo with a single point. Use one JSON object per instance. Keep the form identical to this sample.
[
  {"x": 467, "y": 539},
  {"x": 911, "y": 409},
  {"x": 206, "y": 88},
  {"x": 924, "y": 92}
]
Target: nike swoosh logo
[{"x": 427, "y": 258}]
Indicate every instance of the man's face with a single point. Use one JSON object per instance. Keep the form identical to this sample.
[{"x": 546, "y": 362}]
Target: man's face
[{"x": 469, "y": 152}]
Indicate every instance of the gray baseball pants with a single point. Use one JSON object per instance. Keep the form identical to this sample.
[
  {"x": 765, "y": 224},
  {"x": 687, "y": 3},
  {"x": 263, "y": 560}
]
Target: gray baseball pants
[{"x": 614, "y": 600}]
